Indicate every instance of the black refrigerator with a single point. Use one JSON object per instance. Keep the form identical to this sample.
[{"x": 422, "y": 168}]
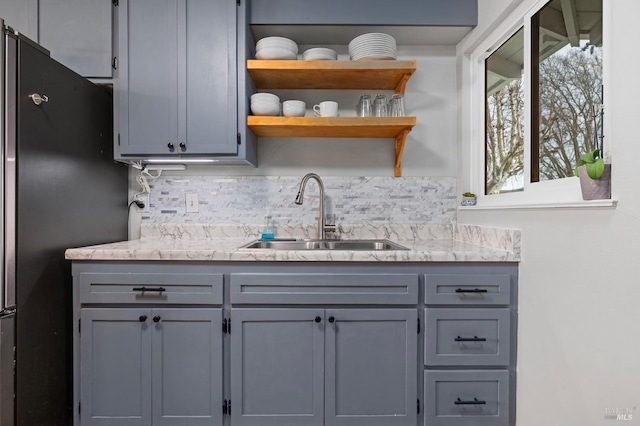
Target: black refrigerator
[{"x": 61, "y": 189}]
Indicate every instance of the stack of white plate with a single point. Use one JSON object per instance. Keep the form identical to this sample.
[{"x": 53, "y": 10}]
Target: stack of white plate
[
  {"x": 319, "y": 54},
  {"x": 373, "y": 46},
  {"x": 276, "y": 48}
]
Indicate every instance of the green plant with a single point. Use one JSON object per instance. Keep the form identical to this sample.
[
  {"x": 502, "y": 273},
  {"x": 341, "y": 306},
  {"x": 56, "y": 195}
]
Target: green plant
[
  {"x": 468, "y": 194},
  {"x": 594, "y": 164}
]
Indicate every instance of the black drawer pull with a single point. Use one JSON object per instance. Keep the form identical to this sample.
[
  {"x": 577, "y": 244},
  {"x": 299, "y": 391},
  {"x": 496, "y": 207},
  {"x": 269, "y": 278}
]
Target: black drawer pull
[
  {"x": 142, "y": 318},
  {"x": 144, "y": 289},
  {"x": 157, "y": 318},
  {"x": 318, "y": 319},
  {"x": 332, "y": 319},
  {"x": 471, "y": 290},
  {"x": 474, "y": 402},
  {"x": 470, "y": 339}
]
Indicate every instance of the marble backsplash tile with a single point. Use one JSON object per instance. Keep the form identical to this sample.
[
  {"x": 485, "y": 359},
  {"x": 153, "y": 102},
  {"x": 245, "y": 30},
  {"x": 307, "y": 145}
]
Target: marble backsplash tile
[{"x": 245, "y": 200}]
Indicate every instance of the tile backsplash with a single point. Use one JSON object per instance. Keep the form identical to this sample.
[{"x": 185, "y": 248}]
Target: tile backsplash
[{"x": 247, "y": 199}]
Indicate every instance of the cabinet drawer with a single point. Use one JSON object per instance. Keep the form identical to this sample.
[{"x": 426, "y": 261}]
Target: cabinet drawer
[
  {"x": 197, "y": 289},
  {"x": 466, "y": 289},
  {"x": 467, "y": 337},
  {"x": 466, "y": 398},
  {"x": 352, "y": 289}
]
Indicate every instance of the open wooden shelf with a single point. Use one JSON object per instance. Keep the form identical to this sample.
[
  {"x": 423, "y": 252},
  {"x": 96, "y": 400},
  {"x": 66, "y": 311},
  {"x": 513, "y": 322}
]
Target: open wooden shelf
[
  {"x": 337, "y": 127},
  {"x": 362, "y": 75}
]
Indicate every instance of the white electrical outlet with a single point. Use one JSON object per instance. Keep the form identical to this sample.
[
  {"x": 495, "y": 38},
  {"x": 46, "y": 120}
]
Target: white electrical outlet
[
  {"x": 192, "y": 203},
  {"x": 145, "y": 199}
]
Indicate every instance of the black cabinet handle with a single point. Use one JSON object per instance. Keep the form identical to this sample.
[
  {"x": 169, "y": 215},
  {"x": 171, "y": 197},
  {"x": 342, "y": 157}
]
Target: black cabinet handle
[
  {"x": 474, "y": 290},
  {"x": 142, "y": 318},
  {"x": 183, "y": 146},
  {"x": 318, "y": 319},
  {"x": 170, "y": 146},
  {"x": 475, "y": 401},
  {"x": 470, "y": 339},
  {"x": 144, "y": 289},
  {"x": 332, "y": 319},
  {"x": 156, "y": 318}
]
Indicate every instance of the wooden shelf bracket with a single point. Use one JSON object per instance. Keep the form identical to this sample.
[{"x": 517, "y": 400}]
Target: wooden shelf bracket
[{"x": 399, "y": 148}]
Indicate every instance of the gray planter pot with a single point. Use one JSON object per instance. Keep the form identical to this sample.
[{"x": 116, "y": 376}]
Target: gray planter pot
[{"x": 598, "y": 189}]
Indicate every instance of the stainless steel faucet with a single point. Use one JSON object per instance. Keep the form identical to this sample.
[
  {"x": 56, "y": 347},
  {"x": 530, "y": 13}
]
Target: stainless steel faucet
[{"x": 322, "y": 225}]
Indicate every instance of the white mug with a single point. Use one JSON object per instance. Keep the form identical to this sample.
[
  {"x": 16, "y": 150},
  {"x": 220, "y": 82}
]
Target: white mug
[{"x": 326, "y": 109}]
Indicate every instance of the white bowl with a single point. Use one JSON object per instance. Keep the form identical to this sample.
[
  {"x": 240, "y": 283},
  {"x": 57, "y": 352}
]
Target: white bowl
[
  {"x": 294, "y": 108},
  {"x": 265, "y": 108},
  {"x": 276, "y": 53},
  {"x": 277, "y": 41},
  {"x": 265, "y": 97},
  {"x": 320, "y": 52}
]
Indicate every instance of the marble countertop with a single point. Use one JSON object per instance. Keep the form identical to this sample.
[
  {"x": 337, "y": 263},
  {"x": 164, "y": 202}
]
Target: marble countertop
[{"x": 202, "y": 242}]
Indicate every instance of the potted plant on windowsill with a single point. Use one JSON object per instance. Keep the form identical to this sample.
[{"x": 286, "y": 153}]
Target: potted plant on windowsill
[
  {"x": 595, "y": 176},
  {"x": 468, "y": 199}
]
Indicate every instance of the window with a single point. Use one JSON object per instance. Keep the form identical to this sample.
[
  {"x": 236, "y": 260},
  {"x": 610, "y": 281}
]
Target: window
[{"x": 543, "y": 96}]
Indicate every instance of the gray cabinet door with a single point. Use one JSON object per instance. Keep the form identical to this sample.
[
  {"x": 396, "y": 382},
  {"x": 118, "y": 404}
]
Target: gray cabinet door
[
  {"x": 177, "y": 87},
  {"x": 207, "y": 107},
  {"x": 115, "y": 367},
  {"x": 371, "y": 367},
  {"x": 16, "y": 14},
  {"x": 187, "y": 367},
  {"x": 78, "y": 33},
  {"x": 277, "y": 367},
  {"x": 148, "y": 83}
]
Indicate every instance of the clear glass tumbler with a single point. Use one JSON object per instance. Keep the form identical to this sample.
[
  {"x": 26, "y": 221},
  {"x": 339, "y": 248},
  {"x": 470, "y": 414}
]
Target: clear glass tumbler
[
  {"x": 396, "y": 106},
  {"x": 380, "y": 105},
  {"x": 363, "y": 109}
]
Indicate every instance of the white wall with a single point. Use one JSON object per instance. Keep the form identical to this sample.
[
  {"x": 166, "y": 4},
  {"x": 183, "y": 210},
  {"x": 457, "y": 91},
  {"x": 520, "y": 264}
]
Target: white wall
[{"x": 579, "y": 305}]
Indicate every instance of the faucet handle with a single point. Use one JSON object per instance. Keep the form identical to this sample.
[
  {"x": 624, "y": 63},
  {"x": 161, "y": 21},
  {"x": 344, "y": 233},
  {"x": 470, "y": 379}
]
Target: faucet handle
[
  {"x": 329, "y": 225},
  {"x": 330, "y": 220}
]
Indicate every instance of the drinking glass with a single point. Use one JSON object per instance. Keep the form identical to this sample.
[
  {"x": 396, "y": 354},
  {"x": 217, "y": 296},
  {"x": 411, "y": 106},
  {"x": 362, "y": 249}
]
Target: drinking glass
[
  {"x": 396, "y": 106},
  {"x": 363, "y": 109},
  {"x": 380, "y": 106}
]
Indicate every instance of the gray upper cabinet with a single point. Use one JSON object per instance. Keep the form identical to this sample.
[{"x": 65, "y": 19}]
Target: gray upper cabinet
[
  {"x": 16, "y": 14},
  {"x": 177, "y": 85},
  {"x": 78, "y": 33},
  {"x": 366, "y": 12}
]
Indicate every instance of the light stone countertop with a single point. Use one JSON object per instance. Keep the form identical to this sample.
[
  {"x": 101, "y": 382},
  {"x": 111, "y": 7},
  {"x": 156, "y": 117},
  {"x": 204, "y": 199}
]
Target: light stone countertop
[{"x": 215, "y": 243}]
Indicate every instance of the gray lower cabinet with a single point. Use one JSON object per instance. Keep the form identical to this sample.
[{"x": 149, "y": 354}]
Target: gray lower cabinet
[
  {"x": 294, "y": 344},
  {"x": 469, "y": 348},
  {"x": 319, "y": 367},
  {"x": 143, "y": 366},
  {"x": 467, "y": 398},
  {"x": 177, "y": 81}
]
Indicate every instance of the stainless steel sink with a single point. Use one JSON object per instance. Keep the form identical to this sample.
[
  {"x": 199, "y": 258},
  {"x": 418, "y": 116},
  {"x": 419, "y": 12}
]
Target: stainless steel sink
[{"x": 356, "y": 245}]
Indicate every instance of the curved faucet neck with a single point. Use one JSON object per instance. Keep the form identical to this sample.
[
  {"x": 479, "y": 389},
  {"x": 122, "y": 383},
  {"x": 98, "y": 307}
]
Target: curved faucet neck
[{"x": 300, "y": 200}]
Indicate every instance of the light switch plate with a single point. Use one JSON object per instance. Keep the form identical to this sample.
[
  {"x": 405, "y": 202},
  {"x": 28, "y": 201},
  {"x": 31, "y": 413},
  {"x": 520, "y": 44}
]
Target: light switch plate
[{"x": 192, "y": 203}]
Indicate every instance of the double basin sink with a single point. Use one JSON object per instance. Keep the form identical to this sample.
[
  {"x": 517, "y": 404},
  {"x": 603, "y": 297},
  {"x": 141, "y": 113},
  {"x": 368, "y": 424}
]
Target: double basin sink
[{"x": 354, "y": 245}]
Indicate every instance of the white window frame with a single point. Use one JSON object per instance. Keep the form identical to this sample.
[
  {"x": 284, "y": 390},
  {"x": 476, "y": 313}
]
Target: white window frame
[{"x": 554, "y": 193}]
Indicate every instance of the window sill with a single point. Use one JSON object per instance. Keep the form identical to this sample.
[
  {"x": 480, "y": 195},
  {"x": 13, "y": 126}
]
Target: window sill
[{"x": 612, "y": 203}]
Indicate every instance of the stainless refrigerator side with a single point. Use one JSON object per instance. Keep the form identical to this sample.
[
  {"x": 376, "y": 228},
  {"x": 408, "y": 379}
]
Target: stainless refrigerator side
[
  {"x": 7, "y": 312},
  {"x": 67, "y": 192}
]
